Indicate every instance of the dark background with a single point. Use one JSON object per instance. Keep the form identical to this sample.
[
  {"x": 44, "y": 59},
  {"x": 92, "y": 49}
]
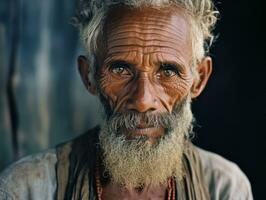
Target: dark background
[
  {"x": 231, "y": 111},
  {"x": 53, "y": 106}
]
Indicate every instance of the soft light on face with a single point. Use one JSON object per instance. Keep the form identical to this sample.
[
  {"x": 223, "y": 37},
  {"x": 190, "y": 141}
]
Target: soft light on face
[
  {"x": 146, "y": 63},
  {"x": 146, "y": 66}
]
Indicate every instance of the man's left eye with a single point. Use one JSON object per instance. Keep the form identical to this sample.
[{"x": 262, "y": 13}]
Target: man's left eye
[{"x": 168, "y": 70}]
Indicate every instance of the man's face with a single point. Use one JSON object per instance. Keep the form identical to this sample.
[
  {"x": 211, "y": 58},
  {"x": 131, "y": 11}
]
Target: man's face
[
  {"x": 145, "y": 67},
  {"x": 145, "y": 82}
]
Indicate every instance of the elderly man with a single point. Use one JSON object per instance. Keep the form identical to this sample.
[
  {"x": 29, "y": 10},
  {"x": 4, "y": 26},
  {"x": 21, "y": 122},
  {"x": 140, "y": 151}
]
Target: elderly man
[{"x": 146, "y": 60}]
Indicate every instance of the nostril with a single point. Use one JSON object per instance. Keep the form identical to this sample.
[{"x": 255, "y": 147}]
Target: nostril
[{"x": 142, "y": 106}]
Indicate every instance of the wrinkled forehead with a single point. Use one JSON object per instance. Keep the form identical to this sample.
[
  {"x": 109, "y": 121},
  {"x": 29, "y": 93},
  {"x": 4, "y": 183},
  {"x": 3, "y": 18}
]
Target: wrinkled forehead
[{"x": 165, "y": 27}]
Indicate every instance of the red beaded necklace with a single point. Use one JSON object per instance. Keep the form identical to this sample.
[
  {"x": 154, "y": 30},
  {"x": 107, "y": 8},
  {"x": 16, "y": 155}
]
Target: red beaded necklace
[{"x": 99, "y": 189}]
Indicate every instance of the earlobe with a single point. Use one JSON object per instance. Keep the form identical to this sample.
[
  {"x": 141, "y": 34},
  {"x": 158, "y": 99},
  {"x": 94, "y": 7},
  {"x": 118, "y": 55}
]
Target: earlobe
[
  {"x": 204, "y": 69},
  {"x": 84, "y": 70}
]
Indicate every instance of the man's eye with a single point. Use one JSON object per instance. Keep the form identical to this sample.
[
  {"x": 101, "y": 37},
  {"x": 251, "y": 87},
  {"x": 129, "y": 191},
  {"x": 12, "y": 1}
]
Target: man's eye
[
  {"x": 169, "y": 73},
  {"x": 118, "y": 70},
  {"x": 168, "y": 70}
]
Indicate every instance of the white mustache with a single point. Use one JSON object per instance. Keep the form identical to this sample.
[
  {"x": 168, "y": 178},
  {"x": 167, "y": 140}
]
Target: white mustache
[{"x": 134, "y": 120}]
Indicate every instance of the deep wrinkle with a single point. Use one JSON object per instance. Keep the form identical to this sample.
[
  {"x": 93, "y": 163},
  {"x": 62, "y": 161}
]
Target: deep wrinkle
[{"x": 145, "y": 51}]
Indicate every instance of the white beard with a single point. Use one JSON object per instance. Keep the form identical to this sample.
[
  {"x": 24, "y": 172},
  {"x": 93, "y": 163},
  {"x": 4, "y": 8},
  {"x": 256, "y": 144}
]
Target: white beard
[{"x": 133, "y": 163}]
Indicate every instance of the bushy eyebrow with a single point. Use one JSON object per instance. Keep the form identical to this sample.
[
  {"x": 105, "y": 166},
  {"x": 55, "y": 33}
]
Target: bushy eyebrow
[
  {"x": 113, "y": 63},
  {"x": 172, "y": 64},
  {"x": 131, "y": 63}
]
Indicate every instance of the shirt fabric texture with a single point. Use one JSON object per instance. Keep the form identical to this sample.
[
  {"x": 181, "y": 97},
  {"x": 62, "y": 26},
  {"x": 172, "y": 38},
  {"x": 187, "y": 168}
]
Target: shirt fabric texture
[{"x": 34, "y": 177}]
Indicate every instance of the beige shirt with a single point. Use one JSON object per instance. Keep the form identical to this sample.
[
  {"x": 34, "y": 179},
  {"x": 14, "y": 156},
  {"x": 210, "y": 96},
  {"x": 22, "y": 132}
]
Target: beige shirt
[{"x": 34, "y": 177}]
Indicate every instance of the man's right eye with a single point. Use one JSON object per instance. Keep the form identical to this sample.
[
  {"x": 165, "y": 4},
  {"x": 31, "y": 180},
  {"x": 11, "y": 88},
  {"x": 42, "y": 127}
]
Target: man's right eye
[{"x": 120, "y": 68}]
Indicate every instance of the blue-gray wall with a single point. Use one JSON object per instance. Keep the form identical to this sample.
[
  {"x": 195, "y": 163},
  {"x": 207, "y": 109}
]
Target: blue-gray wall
[{"x": 52, "y": 103}]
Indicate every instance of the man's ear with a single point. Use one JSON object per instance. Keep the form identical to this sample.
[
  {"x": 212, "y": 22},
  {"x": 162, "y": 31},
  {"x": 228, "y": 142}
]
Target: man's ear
[
  {"x": 204, "y": 69},
  {"x": 85, "y": 70}
]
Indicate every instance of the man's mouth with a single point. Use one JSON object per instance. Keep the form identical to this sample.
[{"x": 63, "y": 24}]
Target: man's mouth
[
  {"x": 149, "y": 132},
  {"x": 144, "y": 131}
]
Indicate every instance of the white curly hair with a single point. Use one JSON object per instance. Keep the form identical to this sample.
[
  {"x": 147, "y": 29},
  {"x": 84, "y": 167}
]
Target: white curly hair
[{"x": 90, "y": 17}]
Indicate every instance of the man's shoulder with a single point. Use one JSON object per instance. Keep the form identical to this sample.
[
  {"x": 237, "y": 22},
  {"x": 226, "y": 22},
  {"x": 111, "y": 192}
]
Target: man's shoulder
[
  {"x": 225, "y": 179},
  {"x": 30, "y": 177}
]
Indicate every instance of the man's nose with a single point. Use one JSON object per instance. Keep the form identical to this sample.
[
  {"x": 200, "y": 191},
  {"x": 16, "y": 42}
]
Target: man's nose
[{"x": 142, "y": 97}]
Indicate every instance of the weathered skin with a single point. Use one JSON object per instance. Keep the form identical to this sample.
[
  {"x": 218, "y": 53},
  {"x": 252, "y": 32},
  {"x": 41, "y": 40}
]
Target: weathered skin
[
  {"x": 145, "y": 66},
  {"x": 144, "y": 40}
]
